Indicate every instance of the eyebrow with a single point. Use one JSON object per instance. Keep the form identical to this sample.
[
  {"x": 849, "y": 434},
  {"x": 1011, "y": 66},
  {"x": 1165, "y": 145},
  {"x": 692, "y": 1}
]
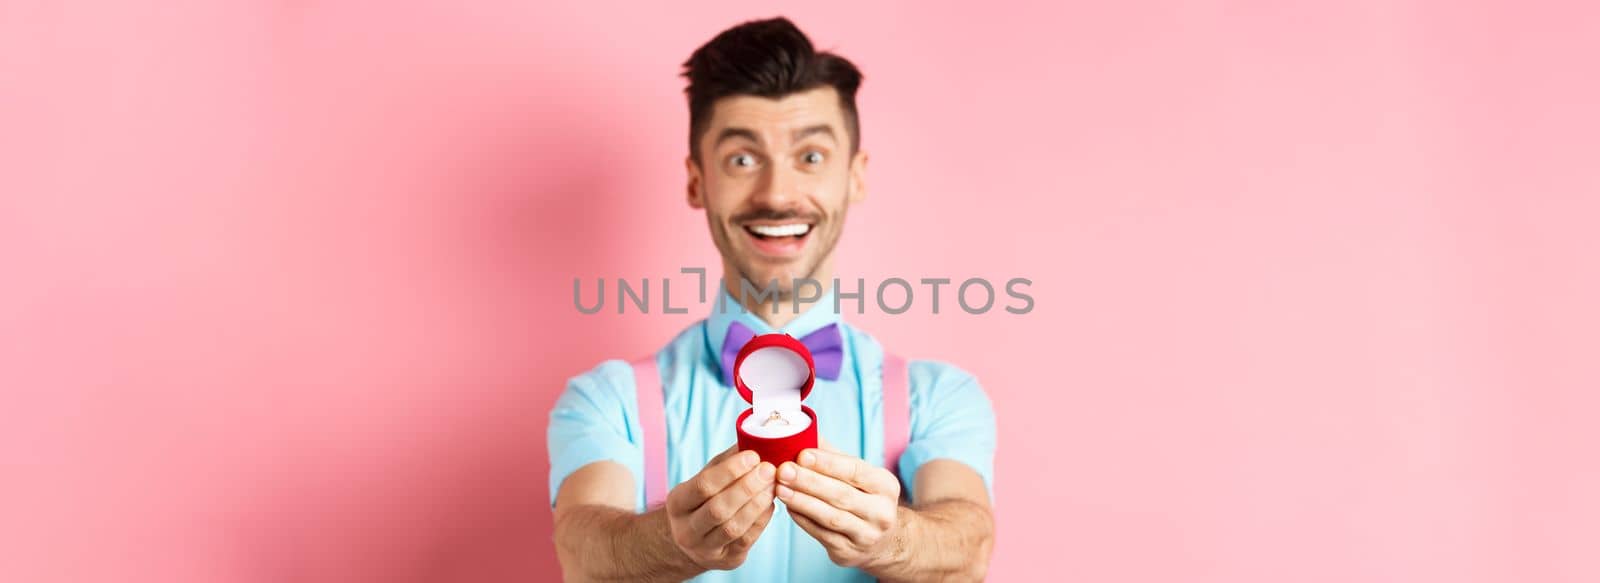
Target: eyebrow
[
  {"x": 731, "y": 133},
  {"x": 803, "y": 133},
  {"x": 800, "y": 134}
]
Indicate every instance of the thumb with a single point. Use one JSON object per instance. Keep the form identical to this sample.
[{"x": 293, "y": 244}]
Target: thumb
[{"x": 732, "y": 449}]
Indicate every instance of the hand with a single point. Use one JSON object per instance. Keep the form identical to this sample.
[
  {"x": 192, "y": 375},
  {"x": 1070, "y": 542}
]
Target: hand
[
  {"x": 717, "y": 515},
  {"x": 850, "y": 506}
]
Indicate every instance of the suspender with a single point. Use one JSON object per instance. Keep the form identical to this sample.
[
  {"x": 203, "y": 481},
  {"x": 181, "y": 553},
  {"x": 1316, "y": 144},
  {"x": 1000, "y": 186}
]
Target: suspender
[
  {"x": 896, "y": 412},
  {"x": 653, "y": 420}
]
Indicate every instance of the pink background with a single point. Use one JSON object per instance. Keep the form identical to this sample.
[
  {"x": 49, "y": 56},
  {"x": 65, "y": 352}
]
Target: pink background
[{"x": 286, "y": 285}]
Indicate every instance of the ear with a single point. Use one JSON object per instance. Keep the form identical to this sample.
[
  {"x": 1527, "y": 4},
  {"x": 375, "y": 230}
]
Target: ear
[
  {"x": 858, "y": 177},
  {"x": 696, "y": 190}
]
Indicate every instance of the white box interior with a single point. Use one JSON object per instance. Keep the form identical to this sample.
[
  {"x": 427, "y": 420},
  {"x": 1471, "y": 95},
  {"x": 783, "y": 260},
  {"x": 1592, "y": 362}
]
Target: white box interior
[{"x": 774, "y": 376}]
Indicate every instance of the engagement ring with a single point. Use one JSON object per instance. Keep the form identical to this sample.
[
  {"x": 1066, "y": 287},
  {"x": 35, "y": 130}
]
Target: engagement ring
[{"x": 774, "y": 417}]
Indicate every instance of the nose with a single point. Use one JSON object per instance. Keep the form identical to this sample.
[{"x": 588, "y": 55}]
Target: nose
[{"x": 777, "y": 187}]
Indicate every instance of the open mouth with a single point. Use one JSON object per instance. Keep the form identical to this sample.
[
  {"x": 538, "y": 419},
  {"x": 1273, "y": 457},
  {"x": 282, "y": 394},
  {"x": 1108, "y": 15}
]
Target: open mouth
[
  {"x": 780, "y": 239},
  {"x": 769, "y": 232}
]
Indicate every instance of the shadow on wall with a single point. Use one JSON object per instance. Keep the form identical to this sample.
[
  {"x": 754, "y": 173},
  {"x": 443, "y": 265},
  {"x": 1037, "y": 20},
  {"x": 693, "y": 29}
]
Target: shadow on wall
[
  {"x": 547, "y": 211},
  {"x": 465, "y": 498}
]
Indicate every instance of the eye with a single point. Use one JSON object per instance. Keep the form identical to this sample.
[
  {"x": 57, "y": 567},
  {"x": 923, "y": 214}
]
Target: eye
[
  {"x": 813, "y": 157},
  {"x": 742, "y": 161}
]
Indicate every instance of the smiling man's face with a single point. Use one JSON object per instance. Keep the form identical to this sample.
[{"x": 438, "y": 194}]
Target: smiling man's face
[{"x": 776, "y": 177}]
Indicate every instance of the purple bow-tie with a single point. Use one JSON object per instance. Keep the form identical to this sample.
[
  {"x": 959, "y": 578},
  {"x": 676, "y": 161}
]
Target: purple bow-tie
[{"x": 826, "y": 346}]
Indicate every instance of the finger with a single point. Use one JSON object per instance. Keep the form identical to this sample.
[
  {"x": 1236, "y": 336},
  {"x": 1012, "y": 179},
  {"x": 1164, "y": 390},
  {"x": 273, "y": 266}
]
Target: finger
[
  {"x": 824, "y": 515},
  {"x": 828, "y": 538},
  {"x": 724, "y": 454},
  {"x": 761, "y": 521},
  {"x": 690, "y": 495},
  {"x": 828, "y": 489},
  {"x": 851, "y": 470},
  {"x": 726, "y": 504},
  {"x": 742, "y": 545},
  {"x": 746, "y": 517}
]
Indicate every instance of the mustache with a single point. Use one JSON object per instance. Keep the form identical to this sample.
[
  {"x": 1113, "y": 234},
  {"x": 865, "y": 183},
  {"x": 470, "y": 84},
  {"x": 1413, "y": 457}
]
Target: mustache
[{"x": 771, "y": 214}]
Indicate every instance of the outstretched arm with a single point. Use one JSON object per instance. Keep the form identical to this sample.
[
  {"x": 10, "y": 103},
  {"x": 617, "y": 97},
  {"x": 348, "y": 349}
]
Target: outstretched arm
[
  {"x": 709, "y": 522},
  {"x": 599, "y": 538}
]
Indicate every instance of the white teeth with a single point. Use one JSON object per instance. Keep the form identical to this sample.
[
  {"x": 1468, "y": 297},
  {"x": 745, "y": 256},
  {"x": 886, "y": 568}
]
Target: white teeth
[{"x": 793, "y": 230}]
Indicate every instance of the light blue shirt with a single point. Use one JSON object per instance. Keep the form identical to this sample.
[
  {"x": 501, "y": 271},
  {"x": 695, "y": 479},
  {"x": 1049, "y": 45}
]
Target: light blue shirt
[{"x": 597, "y": 418}]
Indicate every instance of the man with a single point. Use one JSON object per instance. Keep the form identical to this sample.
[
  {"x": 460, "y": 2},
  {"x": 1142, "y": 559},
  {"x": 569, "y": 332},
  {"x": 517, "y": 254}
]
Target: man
[{"x": 775, "y": 162}]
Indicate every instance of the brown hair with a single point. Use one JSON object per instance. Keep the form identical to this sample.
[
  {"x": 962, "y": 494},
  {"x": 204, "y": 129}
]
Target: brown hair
[{"x": 765, "y": 58}]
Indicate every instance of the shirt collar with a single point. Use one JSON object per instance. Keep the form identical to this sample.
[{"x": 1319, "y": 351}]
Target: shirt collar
[{"x": 727, "y": 310}]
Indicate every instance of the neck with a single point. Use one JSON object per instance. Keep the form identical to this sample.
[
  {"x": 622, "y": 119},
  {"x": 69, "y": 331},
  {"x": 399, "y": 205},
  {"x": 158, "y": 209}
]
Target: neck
[{"x": 776, "y": 309}]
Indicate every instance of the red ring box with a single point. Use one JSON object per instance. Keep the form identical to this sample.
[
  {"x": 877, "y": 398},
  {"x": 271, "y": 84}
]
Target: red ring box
[{"x": 775, "y": 372}]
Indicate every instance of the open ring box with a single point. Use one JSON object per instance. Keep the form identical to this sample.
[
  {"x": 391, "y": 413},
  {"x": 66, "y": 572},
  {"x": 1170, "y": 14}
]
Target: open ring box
[{"x": 774, "y": 373}]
